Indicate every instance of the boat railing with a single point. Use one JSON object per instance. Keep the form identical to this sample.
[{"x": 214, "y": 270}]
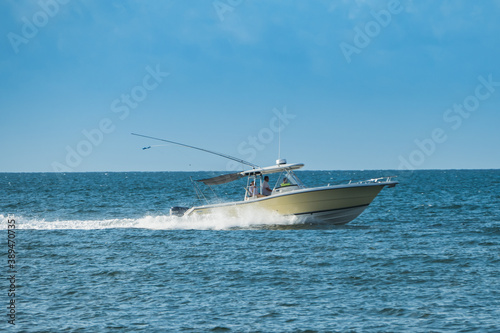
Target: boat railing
[
  {"x": 374, "y": 180},
  {"x": 379, "y": 180}
]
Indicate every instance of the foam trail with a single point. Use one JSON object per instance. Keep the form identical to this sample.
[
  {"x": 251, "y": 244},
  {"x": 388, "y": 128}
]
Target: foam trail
[{"x": 160, "y": 222}]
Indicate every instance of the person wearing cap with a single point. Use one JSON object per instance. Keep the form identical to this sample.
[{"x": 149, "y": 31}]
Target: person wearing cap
[{"x": 285, "y": 182}]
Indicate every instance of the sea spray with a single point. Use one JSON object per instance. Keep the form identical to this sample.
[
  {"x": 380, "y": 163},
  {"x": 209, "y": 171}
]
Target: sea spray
[{"x": 220, "y": 221}]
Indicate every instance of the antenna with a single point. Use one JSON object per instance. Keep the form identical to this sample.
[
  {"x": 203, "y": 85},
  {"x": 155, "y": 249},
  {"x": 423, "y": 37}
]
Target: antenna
[
  {"x": 280, "y": 160},
  {"x": 279, "y": 138}
]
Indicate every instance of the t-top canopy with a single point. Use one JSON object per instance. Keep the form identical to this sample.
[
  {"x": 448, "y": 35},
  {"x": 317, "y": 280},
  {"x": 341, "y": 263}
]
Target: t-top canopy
[
  {"x": 223, "y": 179},
  {"x": 273, "y": 169}
]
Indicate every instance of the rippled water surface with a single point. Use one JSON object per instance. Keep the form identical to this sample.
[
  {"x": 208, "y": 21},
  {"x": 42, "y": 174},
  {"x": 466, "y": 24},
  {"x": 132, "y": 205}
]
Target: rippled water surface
[{"x": 97, "y": 252}]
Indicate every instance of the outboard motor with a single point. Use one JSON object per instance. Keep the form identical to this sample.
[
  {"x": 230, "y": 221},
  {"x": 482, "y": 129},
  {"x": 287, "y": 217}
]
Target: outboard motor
[{"x": 178, "y": 211}]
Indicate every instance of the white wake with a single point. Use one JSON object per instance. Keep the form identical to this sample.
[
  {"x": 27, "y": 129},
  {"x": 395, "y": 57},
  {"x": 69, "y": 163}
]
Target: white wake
[{"x": 248, "y": 220}]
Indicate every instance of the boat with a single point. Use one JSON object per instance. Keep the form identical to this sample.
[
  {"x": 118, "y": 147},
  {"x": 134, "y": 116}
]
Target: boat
[{"x": 329, "y": 204}]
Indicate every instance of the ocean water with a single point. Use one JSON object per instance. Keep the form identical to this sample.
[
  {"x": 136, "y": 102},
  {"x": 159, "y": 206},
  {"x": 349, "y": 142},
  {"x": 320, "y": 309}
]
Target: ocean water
[{"x": 97, "y": 252}]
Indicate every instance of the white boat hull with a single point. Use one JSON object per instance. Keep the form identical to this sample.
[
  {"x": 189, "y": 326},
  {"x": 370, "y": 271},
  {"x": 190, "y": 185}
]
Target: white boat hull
[
  {"x": 334, "y": 217},
  {"x": 328, "y": 204}
]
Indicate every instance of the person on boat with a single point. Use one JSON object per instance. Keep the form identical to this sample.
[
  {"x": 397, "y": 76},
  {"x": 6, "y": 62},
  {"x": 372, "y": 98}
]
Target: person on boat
[
  {"x": 252, "y": 189},
  {"x": 266, "y": 190},
  {"x": 285, "y": 182}
]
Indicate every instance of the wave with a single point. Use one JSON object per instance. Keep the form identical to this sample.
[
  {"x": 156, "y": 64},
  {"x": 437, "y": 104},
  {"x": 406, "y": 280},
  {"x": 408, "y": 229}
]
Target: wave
[{"x": 248, "y": 220}]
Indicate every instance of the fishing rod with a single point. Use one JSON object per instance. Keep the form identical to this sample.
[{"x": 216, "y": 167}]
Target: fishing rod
[{"x": 239, "y": 160}]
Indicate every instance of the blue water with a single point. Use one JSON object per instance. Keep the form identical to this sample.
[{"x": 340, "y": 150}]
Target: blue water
[{"x": 97, "y": 252}]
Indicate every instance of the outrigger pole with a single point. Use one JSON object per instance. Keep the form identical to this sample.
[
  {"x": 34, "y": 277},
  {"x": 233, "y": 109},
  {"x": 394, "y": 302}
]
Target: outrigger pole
[{"x": 205, "y": 150}]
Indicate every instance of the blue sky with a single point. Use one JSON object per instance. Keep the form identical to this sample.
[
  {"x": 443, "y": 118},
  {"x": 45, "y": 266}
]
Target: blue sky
[{"x": 353, "y": 84}]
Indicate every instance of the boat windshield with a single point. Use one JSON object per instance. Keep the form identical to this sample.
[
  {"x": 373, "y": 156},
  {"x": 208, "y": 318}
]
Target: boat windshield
[{"x": 288, "y": 178}]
